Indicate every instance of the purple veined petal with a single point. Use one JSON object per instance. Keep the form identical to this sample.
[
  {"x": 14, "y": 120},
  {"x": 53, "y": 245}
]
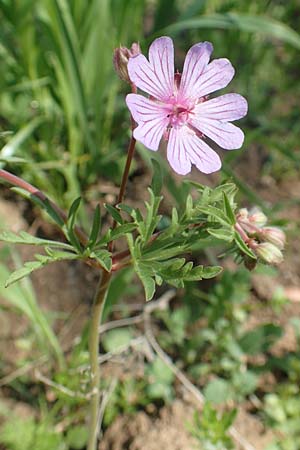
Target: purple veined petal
[
  {"x": 152, "y": 119},
  {"x": 216, "y": 75},
  {"x": 176, "y": 153},
  {"x": 144, "y": 109},
  {"x": 225, "y": 134},
  {"x": 185, "y": 149},
  {"x": 227, "y": 107},
  {"x": 150, "y": 133},
  {"x": 195, "y": 63},
  {"x": 156, "y": 76},
  {"x": 161, "y": 57}
]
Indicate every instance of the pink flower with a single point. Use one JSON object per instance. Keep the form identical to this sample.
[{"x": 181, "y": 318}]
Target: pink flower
[{"x": 178, "y": 108}]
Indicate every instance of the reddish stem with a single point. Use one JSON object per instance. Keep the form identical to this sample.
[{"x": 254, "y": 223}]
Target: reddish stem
[
  {"x": 19, "y": 182},
  {"x": 248, "y": 241},
  {"x": 130, "y": 153}
]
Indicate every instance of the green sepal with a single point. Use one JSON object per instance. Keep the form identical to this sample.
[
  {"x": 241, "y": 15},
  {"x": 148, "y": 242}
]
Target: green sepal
[
  {"x": 228, "y": 209},
  {"x": 242, "y": 246}
]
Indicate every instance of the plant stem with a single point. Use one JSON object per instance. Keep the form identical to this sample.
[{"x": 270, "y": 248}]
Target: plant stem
[
  {"x": 97, "y": 309},
  {"x": 94, "y": 340},
  {"x": 130, "y": 153}
]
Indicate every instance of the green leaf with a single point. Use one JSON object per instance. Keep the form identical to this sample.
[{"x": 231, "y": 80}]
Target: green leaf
[
  {"x": 215, "y": 213},
  {"x": 229, "y": 189},
  {"x": 211, "y": 271},
  {"x": 242, "y": 246},
  {"x": 162, "y": 252},
  {"x": 222, "y": 234},
  {"x": 200, "y": 272},
  {"x": 95, "y": 227},
  {"x": 77, "y": 437},
  {"x": 157, "y": 179},
  {"x": 113, "y": 211},
  {"x": 160, "y": 372},
  {"x": 149, "y": 286},
  {"x": 228, "y": 209},
  {"x": 245, "y": 382},
  {"x": 44, "y": 204},
  {"x": 41, "y": 260},
  {"x": 31, "y": 266},
  {"x": 121, "y": 230},
  {"x": 218, "y": 391},
  {"x": 259, "y": 339},
  {"x": 71, "y": 235},
  {"x": 28, "y": 239},
  {"x": 51, "y": 211},
  {"x": 152, "y": 219},
  {"x": 162, "y": 378},
  {"x": 189, "y": 205},
  {"x": 114, "y": 339},
  {"x": 104, "y": 258},
  {"x": 146, "y": 276},
  {"x": 73, "y": 210},
  {"x": 126, "y": 208}
]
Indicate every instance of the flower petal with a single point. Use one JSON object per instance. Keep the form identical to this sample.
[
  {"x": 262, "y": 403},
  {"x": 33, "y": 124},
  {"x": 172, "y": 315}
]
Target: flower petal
[
  {"x": 225, "y": 134},
  {"x": 176, "y": 152},
  {"x": 156, "y": 76},
  {"x": 151, "y": 118},
  {"x": 227, "y": 107},
  {"x": 216, "y": 75},
  {"x": 195, "y": 63},
  {"x": 185, "y": 148}
]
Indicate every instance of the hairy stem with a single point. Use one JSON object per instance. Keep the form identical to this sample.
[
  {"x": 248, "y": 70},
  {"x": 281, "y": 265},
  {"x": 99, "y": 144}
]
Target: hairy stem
[{"x": 94, "y": 341}]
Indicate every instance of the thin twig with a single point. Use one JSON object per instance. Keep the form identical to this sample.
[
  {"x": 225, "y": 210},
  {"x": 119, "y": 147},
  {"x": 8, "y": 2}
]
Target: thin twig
[
  {"x": 105, "y": 399},
  {"x": 60, "y": 387},
  {"x": 22, "y": 371},
  {"x": 120, "y": 323}
]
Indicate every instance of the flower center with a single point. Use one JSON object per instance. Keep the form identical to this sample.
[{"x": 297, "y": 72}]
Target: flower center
[{"x": 179, "y": 115}]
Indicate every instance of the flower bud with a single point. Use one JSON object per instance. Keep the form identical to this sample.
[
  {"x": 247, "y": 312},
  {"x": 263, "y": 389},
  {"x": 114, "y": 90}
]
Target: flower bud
[
  {"x": 274, "y": 235},
  {"x": 249, "y": 263},
  {"x": 257, "y": 217},
  {"x": 269, "y": 253},
  {"x": 242, "y": 214},
  {"x": 121, "y": 58}
]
